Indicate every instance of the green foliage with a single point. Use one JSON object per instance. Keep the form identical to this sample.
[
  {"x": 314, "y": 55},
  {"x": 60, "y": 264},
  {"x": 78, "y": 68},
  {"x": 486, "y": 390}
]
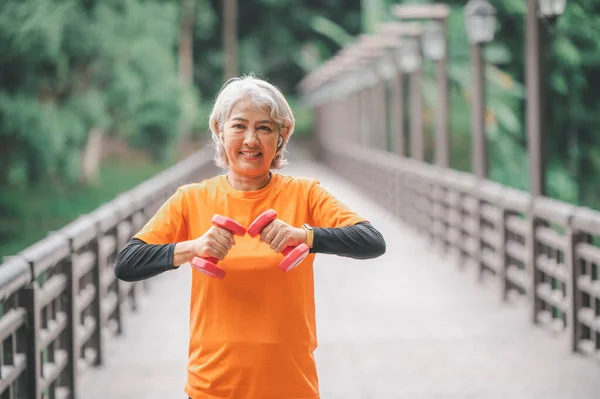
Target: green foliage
[
  {"x": 571, "y": 61},
  {"x": 144, "y": 93},
  {"x": 277, "y": 39},
  {"x": 331, "y": 30},
  {"x": 70, "y": 66},
  {"x": 504, "y": 95}
]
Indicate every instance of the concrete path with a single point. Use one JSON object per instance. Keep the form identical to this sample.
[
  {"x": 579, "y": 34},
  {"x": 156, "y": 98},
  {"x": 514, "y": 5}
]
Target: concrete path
[{"x": 406, "y": 325}]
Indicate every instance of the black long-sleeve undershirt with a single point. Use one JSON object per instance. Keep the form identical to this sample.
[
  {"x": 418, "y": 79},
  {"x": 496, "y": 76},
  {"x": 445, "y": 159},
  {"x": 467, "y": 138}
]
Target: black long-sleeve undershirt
[{"x": 139, "y": 260}]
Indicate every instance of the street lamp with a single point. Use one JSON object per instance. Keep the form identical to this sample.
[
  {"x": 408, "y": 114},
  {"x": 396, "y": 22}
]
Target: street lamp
[
  {"x": 410, "y": 62},
  {"x": 386, "y": 67},
  {"x": 536, "y": 77},
  {"x": 434, "y": 41},
  {"x": 435, "y": 48},
  {"x": 537, "y": 123},
  {"x": 480, "y": 20},
  {"x": 410, "y": 57},
  {"x": 550, "y": 9},
  {"x": 387, "y": 71},
  {"x": 407, "y": 55}
]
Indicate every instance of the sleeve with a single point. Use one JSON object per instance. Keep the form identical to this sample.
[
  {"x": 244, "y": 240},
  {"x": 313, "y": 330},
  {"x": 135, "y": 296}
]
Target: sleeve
[
  {"x": 359, "y": 241},
  {"x": 139, "y": 261},
  {"x": 327, "y": 210},
  {"x": 169, "y": 224}
]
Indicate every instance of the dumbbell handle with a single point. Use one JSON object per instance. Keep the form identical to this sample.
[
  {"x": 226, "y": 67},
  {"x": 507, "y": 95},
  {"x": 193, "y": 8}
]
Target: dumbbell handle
[
  {"x": 301, "y": 250},
  {"x": 227, "y": 224},
  {"x": 261, "y": 221}
]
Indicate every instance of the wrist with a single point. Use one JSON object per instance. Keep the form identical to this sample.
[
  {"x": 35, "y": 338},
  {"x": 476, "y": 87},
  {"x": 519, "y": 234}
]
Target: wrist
[
  {"x": 309, "y": 235},
  {"x": 183, "y": 253}
]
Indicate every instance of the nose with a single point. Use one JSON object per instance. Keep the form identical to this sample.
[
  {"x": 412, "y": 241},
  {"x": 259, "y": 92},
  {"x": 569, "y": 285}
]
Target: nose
[{"x": 250, "y": 137}]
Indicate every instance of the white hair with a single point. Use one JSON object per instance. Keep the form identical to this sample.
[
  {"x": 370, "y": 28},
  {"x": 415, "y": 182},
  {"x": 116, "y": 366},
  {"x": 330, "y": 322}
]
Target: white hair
[{"x": 264, "y": 95}]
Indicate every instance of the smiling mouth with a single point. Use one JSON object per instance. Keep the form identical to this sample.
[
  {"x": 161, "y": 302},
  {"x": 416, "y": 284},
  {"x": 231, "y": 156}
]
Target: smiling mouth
[{"x": 251, "y": 154}]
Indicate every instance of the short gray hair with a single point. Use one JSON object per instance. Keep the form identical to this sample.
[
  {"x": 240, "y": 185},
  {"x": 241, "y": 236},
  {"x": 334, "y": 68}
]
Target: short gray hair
[{"x": 264, "y": 95}]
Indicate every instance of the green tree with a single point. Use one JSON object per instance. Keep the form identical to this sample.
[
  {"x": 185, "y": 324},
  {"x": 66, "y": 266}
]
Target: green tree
[{"x": 76, "y": 69}]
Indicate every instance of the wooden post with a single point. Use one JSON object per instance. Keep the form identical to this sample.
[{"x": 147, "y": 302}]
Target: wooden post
[{"x": 478, "y": 153}]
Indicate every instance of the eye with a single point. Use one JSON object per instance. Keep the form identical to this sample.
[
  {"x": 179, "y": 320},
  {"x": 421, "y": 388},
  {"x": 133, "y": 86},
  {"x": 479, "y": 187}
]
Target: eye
[
  {"x": 266, "y": 128},
  {"x": 238, "y": 126}
]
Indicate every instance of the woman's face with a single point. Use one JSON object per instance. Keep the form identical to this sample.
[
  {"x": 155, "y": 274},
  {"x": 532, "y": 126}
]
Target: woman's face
[{"x": 250, "y": 138}]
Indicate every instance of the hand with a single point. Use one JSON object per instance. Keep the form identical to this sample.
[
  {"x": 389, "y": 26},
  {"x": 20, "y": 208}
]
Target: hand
[
  {"x": 279, "y": 235},
  {"x": 215, "y": 243}
]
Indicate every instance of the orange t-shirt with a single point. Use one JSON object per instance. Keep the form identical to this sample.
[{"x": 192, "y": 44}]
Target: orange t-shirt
[{"x": 252, "y": 334}]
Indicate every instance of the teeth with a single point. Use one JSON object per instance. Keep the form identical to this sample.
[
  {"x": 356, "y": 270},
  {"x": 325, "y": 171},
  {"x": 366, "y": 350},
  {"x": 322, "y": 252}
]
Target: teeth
[{"x": 251, "y": 154}]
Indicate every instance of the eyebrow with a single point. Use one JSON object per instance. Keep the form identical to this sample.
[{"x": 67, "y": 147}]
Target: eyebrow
[{"x": 237, "y": 118}]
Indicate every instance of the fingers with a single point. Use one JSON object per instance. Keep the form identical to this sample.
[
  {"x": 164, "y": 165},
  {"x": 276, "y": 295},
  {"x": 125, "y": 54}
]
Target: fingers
[
  {"x": 280, "y": 241},
  {"x": 268, "y": 232},
  {"x": 216, "y": 250},
  {"x": 276, "y": 234},
  {"x": 224, "y": 237},
  {"x": 216, "y": 243}
]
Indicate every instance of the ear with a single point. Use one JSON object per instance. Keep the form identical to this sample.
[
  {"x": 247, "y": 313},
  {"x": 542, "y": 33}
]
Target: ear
[
  {"x": 215, "y": 127},
  {"x": 285, "y": 131}
]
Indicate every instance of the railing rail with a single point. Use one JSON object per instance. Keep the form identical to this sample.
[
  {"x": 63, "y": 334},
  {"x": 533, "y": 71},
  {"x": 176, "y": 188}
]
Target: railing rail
[
  {"x": 540, "y": 252},
  {"x": 60, "y": 298}
]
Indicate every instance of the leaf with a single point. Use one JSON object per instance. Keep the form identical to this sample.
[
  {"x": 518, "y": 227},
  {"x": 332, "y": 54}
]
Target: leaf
[
  {"x": 515, "y": 7},
  {"x": 559, "y": 83},
  {"x": 331, "y": 30},
  {"x": 567, "y": 52},
  {"x": 507, "y": 117},
  {"x": 496, "y": 53}
]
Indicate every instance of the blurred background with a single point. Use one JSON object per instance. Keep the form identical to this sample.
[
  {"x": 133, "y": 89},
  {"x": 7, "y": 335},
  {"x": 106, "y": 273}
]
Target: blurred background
[{"x": 97, "y": 96}]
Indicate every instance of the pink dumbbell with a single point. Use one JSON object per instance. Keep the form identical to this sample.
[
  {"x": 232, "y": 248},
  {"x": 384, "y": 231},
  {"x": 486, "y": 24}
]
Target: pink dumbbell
[
  {"x": 292, "y": 255},
  {"x": 209, "y": 266}
]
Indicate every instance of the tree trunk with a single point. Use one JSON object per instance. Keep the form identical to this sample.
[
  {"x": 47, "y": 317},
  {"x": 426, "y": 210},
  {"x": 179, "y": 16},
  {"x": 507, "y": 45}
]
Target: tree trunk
[
  {"x": 230, "y": 37},
  {"x": 91, "y": 156},
  {"x": 186, "y": 41}
]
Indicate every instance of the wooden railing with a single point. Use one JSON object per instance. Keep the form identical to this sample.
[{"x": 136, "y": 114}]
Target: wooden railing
[
  {"x": 539, "y": 251},
  {"x": 60, "y": 298}
]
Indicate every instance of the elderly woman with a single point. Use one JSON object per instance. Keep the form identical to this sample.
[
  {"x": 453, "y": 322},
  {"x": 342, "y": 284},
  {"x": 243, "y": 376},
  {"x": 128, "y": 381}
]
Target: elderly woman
[{"x": 252, "y": 333}]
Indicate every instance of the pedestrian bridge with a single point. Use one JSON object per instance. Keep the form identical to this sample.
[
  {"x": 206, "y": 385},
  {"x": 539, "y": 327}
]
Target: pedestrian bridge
[{"x": 450, "y": 311}]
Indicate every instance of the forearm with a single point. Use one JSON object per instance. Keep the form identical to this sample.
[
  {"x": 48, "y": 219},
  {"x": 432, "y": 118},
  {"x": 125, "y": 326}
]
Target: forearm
[
  {"x": 359, "y": 241},
  {"x": 139, "y": 260}
]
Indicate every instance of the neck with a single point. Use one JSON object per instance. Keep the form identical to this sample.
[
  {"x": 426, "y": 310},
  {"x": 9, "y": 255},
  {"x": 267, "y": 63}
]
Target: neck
[{"x": 247, "y": 183}]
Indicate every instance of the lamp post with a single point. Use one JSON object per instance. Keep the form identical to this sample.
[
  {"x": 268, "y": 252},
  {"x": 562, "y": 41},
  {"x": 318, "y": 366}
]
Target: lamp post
[
  {"x": 548, "y": 10},
  {"x": 536, "y": 128},
  {"x": 435, "y": 48},
  {"x": 397, "y": 105},
  {"x": 386, "y": 69},
  {"x": 410, "y": 63},
  {"x": 407, "y": 57},
  {"x": 480, "y": 22},
  {"x": 434, "y": 41},
  {"x": 379, "y": 125}
]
